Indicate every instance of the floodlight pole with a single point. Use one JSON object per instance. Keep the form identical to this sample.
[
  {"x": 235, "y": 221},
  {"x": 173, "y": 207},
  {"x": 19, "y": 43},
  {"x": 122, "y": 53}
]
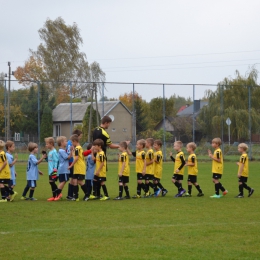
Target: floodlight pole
[{"x": 5, "y": 112}]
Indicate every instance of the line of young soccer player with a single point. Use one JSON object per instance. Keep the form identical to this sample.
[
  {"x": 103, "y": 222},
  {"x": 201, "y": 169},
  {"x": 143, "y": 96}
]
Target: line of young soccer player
[{"x": 91, "y": 176}]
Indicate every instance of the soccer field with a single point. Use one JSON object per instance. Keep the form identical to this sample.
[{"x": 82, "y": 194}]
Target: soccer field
[{"x": 152, "y": 228}]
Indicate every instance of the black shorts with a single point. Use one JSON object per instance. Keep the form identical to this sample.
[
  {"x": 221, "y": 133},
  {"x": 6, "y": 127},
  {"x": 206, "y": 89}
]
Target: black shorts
[
  {"x": 140, "y": 176},
  {"x": 100, "y": 179},
  {"x": 123, "y": 179},
  {"x": 31, "y": 184},
  {"x": 156, "y": 179},
  {"x": 216, "y": 176},
  {"x": 79, "y": 177},
  {"x": 148, "y": 177},
  {"x": 192, "y": 178},
  {"x": 242, "y": 179},
  {"x": 177, "y": 177},
  {"x": 64, "y": 177},
  {"x": 4, "y": 181}
]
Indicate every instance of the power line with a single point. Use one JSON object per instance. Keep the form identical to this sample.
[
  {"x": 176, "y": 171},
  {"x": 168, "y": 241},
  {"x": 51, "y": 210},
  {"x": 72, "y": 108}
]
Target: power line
[
  {"x": 180, "y": 64},
  {"x": 181, "y": 55}
]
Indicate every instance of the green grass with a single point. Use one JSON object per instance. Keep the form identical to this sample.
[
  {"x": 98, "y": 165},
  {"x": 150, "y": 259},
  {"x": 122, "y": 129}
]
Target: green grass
[{"x": 155, "y": 228}]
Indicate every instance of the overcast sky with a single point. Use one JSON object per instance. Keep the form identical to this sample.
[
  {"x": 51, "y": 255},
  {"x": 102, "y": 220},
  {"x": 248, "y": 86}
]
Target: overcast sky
[{"x": 150, "y": 41}]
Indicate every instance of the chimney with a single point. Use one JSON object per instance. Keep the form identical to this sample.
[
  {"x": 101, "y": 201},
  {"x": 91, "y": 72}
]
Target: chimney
[
  {"x": 83, "y": 100},
  {"x": 196, "y": 106}
]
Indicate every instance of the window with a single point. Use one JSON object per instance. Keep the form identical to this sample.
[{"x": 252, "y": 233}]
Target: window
[{"x": 56, "y": 130}]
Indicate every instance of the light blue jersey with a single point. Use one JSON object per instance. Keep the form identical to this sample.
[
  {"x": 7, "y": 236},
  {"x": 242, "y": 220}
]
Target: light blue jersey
[
  {"x": 91, "y": 165},
  {"x": 10, "y": 160},
  {"x": 69, "y": 144},
  {"x": 53, "y": 160},
  {"x": 63, "y": 162},
  {"x": 32, "y": 173}
]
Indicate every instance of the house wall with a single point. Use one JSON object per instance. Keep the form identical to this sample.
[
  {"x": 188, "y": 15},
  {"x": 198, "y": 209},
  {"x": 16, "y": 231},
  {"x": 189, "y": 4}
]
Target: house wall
[
  {"x": 121, "y": 128},
  {"x": 168, "y": 126}
]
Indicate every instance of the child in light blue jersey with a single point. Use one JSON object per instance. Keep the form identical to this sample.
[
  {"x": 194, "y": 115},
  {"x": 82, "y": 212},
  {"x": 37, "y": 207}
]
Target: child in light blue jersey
[
  {"x": 10, "y": 147},
  {"x": 53, "y": 160},
  {"x": 91, "y": 165},
  {"x": 63, "y": 170},
  {"x": 32, "y": 174}
]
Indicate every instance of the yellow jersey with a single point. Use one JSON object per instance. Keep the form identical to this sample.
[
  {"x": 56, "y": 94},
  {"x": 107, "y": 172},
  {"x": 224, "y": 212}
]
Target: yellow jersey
[
  {"x": 100, "y": 158},
  {"x": 243, "y": 160},
  {"x": 217, "y": 167},
  {"x": 193, "y": 170},
  {"x": 148, "y": 158},
  {"x": 179, "y": 163},
  {"x": 80, "y": 165},
  {"x": 139, "y": 163},
  {"x": 5, "y": 173},
  {"x": 158, "y": 164},
  {"x": 124, "y": 158}
]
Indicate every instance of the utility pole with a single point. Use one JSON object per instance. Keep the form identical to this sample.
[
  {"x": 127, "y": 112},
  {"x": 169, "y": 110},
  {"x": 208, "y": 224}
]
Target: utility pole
[{"x": 8, "y": 102}]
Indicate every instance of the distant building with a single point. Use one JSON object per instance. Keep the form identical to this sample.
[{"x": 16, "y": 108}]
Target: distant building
[
  {"x": 119, "y": 130},
  {"x": 181, "y": 126}
]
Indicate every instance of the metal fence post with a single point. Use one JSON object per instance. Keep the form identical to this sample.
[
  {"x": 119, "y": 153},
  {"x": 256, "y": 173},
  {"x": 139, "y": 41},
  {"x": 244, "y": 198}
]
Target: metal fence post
[
  {"x": 249, "y": 123},
  {"x": 164, "y": 128},
  {"x": 222, "y": 118},
  {"x": 193, "y": 117},
  {"x": 133, "y": 117},
  {"x": 39, "y": 120},
  {"x": 71, "y": 108},
  {"x": 5, "y": 112}
]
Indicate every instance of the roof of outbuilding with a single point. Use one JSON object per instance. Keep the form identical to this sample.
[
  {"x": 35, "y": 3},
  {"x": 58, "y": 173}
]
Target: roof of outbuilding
[
  {"x": 61, "y": 113},
  {"x": 188, "y": 111}
]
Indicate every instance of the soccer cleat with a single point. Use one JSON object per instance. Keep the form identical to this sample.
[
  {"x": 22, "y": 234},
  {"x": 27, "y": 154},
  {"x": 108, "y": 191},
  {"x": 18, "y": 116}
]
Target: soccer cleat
[
  {"x": 164, "y": 192},
  {"x": 118, "y": 198},
  {"x": 86, "y": 199},
  {"x": 136, "y": 196},
  {"x": 69, "y": 198},
  {"x": 51, "y": 199},
  {"x": 200, "y": 194},
  {"x": 251, "y": 192},
  {"x": 32, "y": 199},
  {"x": 215, "y": 196},
  {"x": 187, "y": 195},
  {"x": 157, "y": 193},
  {"x": 58, "y": 197},
  {"x": 105, "y": 198},
  {"x": 225, "y": 192},
  {"x": 13, "y": 196},
  {"x": 147, "y": 194},
  {"x": 177, "y": 195},
  {"x": 182, "y": 192},
  {"x": 24, "y": 198},
  {"x": 239, "y": 196},
  {"x": 3, "y": 200},
  {"x": 92, "y": 197},
  {"x": 127, "y": 197}
]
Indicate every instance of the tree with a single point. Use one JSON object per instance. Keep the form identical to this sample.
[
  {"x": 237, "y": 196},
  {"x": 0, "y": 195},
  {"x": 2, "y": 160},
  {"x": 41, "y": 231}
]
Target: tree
[
  {"x": 59, "y": 61},
  {"x": 140, "y": 117},
  {"x": 127, "y": 99},
  {"x": 156, "y": 110},
  {"x": 159, "y": 135},
  {"x": 235, "y": 100},
  {"x": 46, "y": 123},
  {"x": 85, "y": 127}
]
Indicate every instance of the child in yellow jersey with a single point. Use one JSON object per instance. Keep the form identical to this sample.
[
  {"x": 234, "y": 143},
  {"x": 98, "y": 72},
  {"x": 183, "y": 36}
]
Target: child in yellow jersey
[
  {"x": 79, "y": 168},
  {"x": 192, "y": 170},
  {"x": 100, "y": 171},
  {"x": 179, "y": 162},
  {"x": 158, "y": 167},
  {"x": 5, "y": 174},
  {"x": 217, "y": 167},
  {"x": 149, "y": 162},
  {"x": 140, "y": 166},
  {"x": 243, "y": 171},
  {"x": 123, "y": 171}
]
